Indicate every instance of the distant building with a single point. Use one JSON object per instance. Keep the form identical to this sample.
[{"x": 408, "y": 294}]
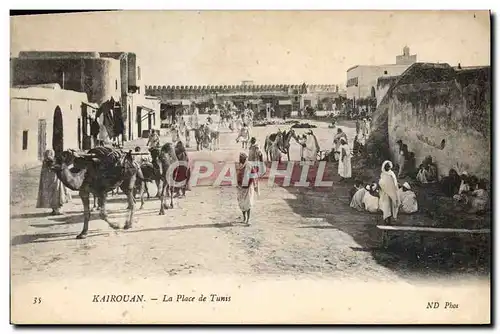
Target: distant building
[
  {"x": 362, "y": 79},
  {"x": 406, "y": 58},
  {"x": 282, "y": 98}
]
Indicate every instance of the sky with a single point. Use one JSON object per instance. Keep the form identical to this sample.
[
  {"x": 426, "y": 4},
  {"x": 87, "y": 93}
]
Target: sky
[{"x": 268, "y": 47}]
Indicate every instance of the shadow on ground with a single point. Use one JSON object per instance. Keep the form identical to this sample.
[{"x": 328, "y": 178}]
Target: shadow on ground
[
  {"x": 49, "y": 237},
  {"x": 405, "y": 255},
  {"x": 186, "y": 227}
]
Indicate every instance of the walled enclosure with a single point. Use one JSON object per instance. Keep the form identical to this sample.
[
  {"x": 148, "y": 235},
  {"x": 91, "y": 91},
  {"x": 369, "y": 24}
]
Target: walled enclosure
[{"x": 442, "y": 112}]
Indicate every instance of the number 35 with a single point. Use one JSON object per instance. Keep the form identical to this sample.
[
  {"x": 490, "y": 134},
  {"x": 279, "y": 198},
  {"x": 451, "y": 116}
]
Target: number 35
[{"x": 37, "y": 300}]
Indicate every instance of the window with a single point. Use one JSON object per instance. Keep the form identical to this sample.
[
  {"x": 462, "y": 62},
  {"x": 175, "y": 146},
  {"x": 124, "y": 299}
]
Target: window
[
  {"x": 385, "y": 72},
  {"x": 352, "y": 82},
  {"x": 138, "y": 73},
  {"x": 25, "y": 140},
  {"x": 116, "y": 84}
]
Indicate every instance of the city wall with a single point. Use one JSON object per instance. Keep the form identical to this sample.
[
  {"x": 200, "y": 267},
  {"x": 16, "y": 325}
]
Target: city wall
[{"x": 187, "y": 92}]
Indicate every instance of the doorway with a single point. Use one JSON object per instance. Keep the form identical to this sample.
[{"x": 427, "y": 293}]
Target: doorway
[
  {"x": 139, "y": 122},
  {"x": 79, "y": 131},
  {"x": 129, "y": 117},
  {"x": 58, "y": 132},
  {"x": 42, "y": 138}
]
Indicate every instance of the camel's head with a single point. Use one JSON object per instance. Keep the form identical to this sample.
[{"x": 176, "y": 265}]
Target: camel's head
[
  {"x": 168, "y": 152},
  {"x": 66, "y": 158},
  {"x": 179, "y": 147},
  {"x": 155, "y": 152}
]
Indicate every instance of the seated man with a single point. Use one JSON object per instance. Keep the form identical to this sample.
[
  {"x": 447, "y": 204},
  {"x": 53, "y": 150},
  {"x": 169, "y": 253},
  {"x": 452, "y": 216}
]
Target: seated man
[
  {"x": 371, "y": 198},
  {"x": 357, "y": 195},
  {"x": 408, "y": 199},
  {"x": 450, "y": 184},
  {"x": 358, "y": 146},
  {"x": 427, "y": 172},
  {"x": 479, "y": 199},
  {"x": 464, "y": 189}
]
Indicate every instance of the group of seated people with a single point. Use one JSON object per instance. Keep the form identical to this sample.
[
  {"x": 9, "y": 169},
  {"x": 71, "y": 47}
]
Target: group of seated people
[
  {"x": 427, "y": 171},
  {"x": 468, "y": 191},
  {"x": 366, "y": 198}
]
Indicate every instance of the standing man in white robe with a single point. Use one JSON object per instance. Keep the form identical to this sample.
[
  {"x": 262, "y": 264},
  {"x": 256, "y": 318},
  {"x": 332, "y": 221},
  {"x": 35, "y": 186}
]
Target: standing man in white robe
[
  {"x": 389, "y": 196},
  {"x": 312, "y": 147},
  {"x": 344, "y": 168}
]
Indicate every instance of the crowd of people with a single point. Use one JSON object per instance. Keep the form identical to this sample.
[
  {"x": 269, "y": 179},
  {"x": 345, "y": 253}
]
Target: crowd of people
[
  {"x": 386, "y": 195},
  {"x": 392, "y": 193}
]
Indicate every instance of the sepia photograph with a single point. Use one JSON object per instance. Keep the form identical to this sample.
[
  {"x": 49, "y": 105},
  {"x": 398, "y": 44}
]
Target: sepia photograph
[{"x": 251, "y": 167}]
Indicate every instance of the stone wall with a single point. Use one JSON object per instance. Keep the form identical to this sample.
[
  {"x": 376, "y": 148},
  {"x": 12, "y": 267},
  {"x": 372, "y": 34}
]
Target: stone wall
[
  {"x": 195, "y": 92},
  {"x": 383, "y": 85},
  {"x": 442, "y": 112}
]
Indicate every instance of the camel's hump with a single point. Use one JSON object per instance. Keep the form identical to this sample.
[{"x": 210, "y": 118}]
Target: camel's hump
[{"x": 106, "y": 154}]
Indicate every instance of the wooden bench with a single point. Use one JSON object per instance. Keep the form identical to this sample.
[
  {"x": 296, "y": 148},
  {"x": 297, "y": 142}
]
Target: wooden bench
[{"x": 426, "y": 230}]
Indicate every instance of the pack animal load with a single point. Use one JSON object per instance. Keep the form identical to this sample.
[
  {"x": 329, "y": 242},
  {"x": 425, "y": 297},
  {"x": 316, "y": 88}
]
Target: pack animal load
[{"x": 99, "y": 171}]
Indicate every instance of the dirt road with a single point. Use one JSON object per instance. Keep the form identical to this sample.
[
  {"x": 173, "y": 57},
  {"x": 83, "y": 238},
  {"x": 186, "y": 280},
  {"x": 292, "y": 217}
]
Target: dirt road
[{"x": 295, "y": 232}]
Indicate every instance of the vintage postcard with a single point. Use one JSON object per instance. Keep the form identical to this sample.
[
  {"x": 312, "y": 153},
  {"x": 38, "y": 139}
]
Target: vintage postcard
[{"x": 250, "y": 167}]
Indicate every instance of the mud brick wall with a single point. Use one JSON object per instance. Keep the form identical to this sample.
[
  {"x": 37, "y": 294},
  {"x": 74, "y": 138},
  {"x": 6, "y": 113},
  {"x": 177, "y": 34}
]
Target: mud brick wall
[{"x": 445, "y": 113}]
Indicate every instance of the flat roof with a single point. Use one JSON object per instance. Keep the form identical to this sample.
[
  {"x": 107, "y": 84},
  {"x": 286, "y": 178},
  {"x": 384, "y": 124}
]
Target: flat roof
[{"x": 382, "y": 65}]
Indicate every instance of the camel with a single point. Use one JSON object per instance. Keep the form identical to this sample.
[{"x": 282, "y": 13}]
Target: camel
[
  {"x": 150, "y": 174},
  {"x": 155, "y": 171},
  {"x": 282, "y": 140},
  {"x": 212, "y": 137},
  {"x": 199, "y": 135},
  {"x": 99, "y": 171},
  {"x": 167, "y": 157}
]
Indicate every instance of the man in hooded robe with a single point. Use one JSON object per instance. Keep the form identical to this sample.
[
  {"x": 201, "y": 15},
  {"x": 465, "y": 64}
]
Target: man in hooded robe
[
  {"x": 194, "y": 119},
  {"x": 358, "y": 196},
  {"x": 243, "y": 136},
  {"x": 52, "y": 194},
  {"x": 336, "y": 142},
  {"x": 389, "y": 197},
  {"x": 344, "y": 167},
  {"x": 408, "y": 199},
  {"x": 312, "y": 147},
  {"x": 371, "y": 199},
  {"x": 302, "y": 140},
  {"x": 182, "y": 172}
]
